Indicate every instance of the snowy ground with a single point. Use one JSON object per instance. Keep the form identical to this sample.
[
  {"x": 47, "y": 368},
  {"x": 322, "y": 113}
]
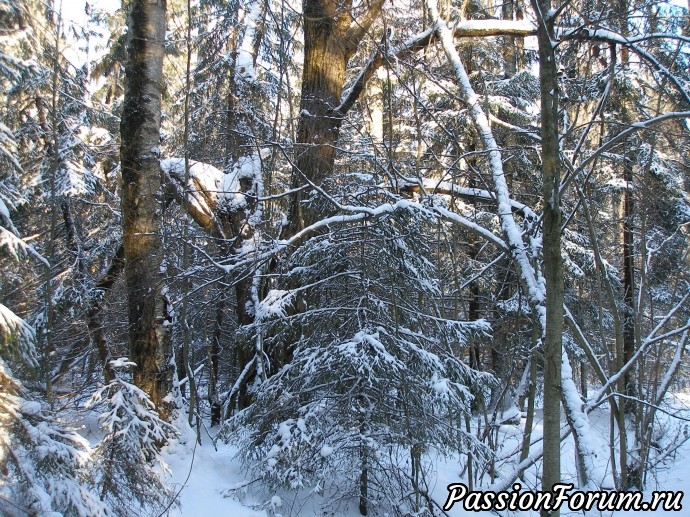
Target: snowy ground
[{"x": 203, "y": 476}]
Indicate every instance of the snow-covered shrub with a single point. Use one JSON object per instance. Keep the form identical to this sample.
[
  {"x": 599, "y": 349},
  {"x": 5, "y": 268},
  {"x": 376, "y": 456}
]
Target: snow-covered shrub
[
  {"x": 128, "y": 465},
  {"x": 43, "y": 465},
  {"x": 372, "y": 382}
]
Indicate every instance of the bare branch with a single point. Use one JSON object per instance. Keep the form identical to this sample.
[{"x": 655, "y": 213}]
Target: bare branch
[
  {"x": 463, "y": 29},
  {"x": 623, "y": 135},
  {"x": 362, "y": 24},
  {"x": 609, "y": 36}
]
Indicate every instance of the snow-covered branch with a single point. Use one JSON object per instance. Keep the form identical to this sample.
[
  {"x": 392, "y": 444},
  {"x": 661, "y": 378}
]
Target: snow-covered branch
[
  {"x": 610, "y": 36},
  {"x": 417, "y": 43},
  {"x": 451, "y": 189}
]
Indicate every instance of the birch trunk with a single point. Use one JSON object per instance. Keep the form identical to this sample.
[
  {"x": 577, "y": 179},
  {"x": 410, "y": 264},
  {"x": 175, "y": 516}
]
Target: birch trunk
[{"x": 148, "y": 305}]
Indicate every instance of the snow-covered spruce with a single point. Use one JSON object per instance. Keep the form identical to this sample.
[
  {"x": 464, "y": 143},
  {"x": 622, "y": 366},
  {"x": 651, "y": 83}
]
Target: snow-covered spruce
[
  {"x": 44, "y": 466},
  {"x": 371, "y": 383},
  {"x": 128, "y": 461}
]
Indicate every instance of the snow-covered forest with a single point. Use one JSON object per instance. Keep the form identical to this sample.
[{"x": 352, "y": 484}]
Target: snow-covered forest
[{"x": 327, "y": 257}]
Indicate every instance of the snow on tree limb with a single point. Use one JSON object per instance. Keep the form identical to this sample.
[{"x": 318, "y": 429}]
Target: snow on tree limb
[
  {"x": 209, "y": 191},
  {"x": 448, "y": 188},
  {"x": 201, "y": 193},
  {"x": 530, "y": 278},
  {"x": 14, "y": 246},
  {"x": 417, "y": 43},
  {"x": 18, "y": 337},
  {"x": 610, "y": 36}
]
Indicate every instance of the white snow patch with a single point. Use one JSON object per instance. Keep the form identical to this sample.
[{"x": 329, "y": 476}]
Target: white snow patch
[{"x": 274, "y": 304}]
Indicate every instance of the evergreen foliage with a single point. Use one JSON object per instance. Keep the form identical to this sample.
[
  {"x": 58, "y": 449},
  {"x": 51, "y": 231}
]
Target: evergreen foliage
[
  {"x": 128, "y": 467},
  {"x": 372, "y": 376}
]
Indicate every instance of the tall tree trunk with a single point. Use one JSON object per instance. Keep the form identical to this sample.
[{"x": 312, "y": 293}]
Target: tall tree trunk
[
  {"x": 626, "y": 350},
  {"x": 628, "y": 276},
  {"x": 148, "y": 305},
  {"x": 187, "y": 357},
  {"x": 553, "y": 267},
  {"x": 629, "y": 282},
  {"x": 323, "y": 77},
  {"x": 331, "y": 37}
]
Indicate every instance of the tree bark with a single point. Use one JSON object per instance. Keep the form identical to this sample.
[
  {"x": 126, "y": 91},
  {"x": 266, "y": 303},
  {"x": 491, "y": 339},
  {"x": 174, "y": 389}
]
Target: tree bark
[
  {"x": 331, "y": 37},
  {"x": 148, "y": 305},
  {"x": 553, "y": 267},
  {"x": 629, "y": 311}
]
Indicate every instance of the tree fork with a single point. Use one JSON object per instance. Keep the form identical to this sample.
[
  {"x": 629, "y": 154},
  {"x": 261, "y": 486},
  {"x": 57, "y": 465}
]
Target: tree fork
[{"x": 331, "y": 38}]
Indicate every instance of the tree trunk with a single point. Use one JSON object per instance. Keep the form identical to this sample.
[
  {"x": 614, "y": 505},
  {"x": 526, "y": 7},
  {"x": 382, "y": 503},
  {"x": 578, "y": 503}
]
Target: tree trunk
[
  {"x": 509, "y": 48},
  {"x": 629, "y": 283},
  {"x": 325, "y": 62},
  {"x": 531, "y": 396},
  {"x": 553, "y": 267},
  {"x": 214, "y": 360},
  {"x": 94, "y": 321},
  {"x": 95, "y": 316},
  {"x": 622, "y": 100},
  {"x": 148, "y": 305},
  {"x": 331, "y": 37}
]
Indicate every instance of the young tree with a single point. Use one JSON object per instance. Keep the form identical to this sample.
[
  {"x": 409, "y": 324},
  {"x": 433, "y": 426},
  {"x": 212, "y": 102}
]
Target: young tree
[
  {"x": 45, "y": 466},
  {"x": 553, "y": 264},
  {"x": 126, "y": 456},
  {"x": 373, "y": 377}
]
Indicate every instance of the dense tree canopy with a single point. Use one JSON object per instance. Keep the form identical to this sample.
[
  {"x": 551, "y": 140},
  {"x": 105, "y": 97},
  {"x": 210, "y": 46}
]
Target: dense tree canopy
[{"x": 347, "y": 234}]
